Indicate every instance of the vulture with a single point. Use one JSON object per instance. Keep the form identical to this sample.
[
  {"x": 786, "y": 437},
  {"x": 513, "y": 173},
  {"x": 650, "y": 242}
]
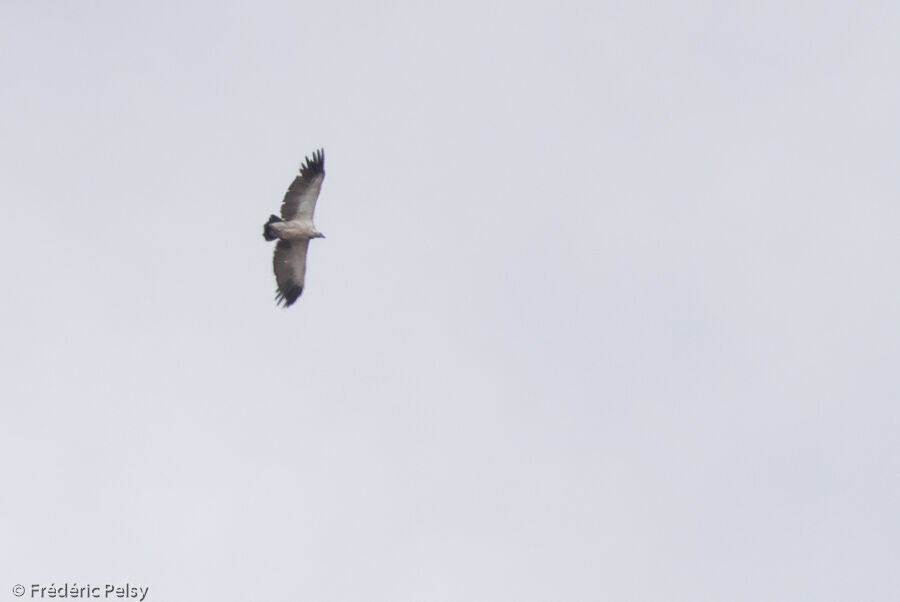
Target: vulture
[{"x": 295, "y": 228}]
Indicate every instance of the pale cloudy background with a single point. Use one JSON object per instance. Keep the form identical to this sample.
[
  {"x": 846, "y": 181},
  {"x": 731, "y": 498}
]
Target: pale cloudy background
[{"x": 608, "y": 307}]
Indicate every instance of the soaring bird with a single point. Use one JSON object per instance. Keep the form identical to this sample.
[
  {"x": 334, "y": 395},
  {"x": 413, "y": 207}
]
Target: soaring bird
[{"x": 295, "y": 228}]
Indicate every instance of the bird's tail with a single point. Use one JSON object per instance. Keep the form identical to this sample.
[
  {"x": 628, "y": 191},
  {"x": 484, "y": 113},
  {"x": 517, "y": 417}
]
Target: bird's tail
[{"x": 268, "y": 231}]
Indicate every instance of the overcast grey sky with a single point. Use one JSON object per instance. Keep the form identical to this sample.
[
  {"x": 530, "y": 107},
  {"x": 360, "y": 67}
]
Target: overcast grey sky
[{"x": 608, "y": 307}]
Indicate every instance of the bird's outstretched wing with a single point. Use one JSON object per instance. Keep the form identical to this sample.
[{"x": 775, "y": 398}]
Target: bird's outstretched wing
[
  {"x": 290, "y": 270},
  {"x": 300, "y": 200}
]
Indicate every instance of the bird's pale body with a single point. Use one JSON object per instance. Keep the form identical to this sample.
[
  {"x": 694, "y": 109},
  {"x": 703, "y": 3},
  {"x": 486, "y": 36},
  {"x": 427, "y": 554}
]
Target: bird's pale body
[{"x": 296, "y": 230}]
